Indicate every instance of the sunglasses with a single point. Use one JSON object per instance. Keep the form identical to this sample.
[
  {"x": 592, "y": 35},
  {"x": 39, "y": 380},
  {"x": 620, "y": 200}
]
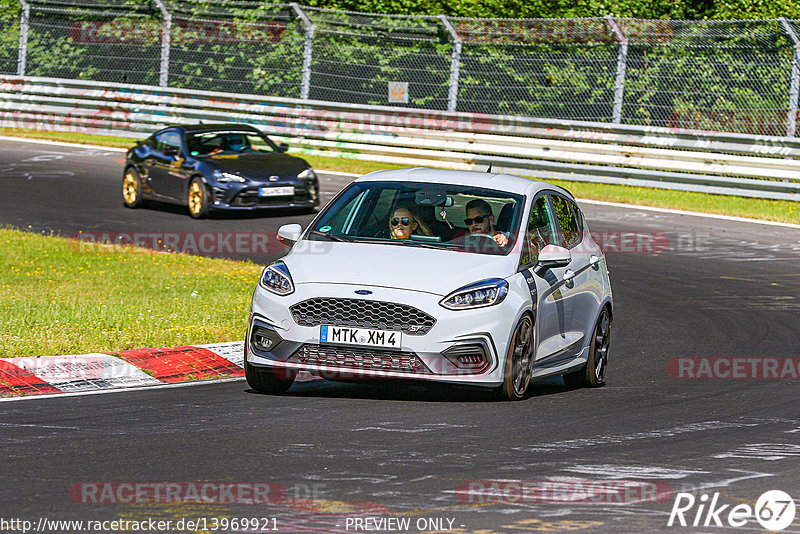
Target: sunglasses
[
  {"x": 479, "y": 219},
  {"x": 405, "y": 221}
]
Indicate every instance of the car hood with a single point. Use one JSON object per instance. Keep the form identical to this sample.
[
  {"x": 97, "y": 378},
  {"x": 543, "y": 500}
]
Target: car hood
[
  {"x": 260, "y": 167},
  {"x": 395, "y": 266}
]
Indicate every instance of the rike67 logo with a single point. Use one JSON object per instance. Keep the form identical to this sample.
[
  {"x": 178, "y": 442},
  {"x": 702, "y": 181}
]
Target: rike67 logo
[{"x": 774, "y": 510}]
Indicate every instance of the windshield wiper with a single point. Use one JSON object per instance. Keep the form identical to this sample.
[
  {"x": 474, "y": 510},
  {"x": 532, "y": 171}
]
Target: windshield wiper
[
  {"x": 422, "y": 244},
  {"x": 332, "y": 237}
]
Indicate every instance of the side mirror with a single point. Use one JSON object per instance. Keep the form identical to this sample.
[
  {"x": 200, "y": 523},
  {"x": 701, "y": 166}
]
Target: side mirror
[
  {"x": 288, "y": 234},
  {"x": 553, "y": 256},
  {"x": 283, "y": 147}
]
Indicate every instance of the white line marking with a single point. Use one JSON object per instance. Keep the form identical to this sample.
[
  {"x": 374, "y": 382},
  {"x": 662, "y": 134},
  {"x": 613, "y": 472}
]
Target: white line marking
[
  {"x": 41, "y": 426},
  {"x": 124, "y": 390},
  {"x": 62, "y": 143},
  {"x": 691, "y": 213},
  {"x": 338, "y": 173}
]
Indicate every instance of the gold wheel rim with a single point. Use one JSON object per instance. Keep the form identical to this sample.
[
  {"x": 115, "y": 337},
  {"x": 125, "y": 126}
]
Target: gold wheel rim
[
  {"x": 129, "y": 190},
  {"x": 195, "y": 198}
]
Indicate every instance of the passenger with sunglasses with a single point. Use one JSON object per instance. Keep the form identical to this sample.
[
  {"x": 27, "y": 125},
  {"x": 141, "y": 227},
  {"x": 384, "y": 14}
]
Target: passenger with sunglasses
[
  {"x": 404, "y": 222},
  {"x": 481, "y": 221}
]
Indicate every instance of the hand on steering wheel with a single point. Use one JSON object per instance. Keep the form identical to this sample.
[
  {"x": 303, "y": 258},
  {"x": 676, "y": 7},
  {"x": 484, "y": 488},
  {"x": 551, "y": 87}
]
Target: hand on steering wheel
[{"x": 498, "y": 238}]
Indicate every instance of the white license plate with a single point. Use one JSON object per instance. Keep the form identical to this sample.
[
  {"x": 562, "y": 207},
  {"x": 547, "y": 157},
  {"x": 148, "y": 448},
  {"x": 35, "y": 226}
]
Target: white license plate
[
  {"x": 286, "y": 191},
  {"x": 360, "y": 336}
]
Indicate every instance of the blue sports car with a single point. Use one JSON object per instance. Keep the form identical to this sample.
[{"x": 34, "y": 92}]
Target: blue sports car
[{"x": 217, "y": 167}]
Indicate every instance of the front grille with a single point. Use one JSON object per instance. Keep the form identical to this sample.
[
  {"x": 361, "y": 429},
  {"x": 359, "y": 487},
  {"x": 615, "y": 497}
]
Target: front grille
[
  {"x": 357, "y": 313},
  {"x": 370, "y": 359}
]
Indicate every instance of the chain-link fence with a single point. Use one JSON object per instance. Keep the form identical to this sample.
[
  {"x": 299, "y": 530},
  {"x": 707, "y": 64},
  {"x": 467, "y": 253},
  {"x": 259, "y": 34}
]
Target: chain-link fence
[{"x": 735, "y": 76}]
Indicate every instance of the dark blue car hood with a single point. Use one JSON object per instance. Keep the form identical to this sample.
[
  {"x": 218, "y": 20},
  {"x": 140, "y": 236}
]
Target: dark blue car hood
[{"x": 259, "y": 167}]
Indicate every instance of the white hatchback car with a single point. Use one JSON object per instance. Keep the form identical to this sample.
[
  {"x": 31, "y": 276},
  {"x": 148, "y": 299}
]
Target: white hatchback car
[{"x": 445, "y": 276}]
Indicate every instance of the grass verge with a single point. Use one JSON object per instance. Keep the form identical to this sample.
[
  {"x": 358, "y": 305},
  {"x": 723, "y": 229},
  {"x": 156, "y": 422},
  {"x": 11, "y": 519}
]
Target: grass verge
[
  {"x": 58, "y": 296},
  {"x": 769, "y": 210}
]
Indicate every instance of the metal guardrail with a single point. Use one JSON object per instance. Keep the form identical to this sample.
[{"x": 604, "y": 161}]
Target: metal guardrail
[{"x": 709, "y": 162}]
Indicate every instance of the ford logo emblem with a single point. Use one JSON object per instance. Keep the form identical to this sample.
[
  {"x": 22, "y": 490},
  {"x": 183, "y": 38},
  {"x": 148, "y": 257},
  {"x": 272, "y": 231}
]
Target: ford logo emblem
[{"x": 363, "y": 292}]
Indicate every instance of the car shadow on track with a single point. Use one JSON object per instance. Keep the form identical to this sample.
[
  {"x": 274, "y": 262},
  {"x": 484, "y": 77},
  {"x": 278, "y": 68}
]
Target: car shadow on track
[
  {"x": 165, "y": 207},
  {"x": 418, "y": 392}
]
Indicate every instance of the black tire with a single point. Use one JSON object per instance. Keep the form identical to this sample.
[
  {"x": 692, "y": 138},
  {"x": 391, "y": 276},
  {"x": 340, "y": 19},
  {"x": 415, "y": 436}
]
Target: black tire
[
  {"x": 593, "y": 372},
  {"x": 197, "y": 199},
  {"x": 265, "y": 380},
  {"x": 132, "y": 189},
  {"x": 519, "y": 361}
]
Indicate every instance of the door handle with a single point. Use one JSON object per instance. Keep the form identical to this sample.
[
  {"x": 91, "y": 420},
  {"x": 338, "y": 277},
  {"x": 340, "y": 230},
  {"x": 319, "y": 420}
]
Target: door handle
[
  {"x": 594, "y": 260},
  {"x": 569, "y": 274}
]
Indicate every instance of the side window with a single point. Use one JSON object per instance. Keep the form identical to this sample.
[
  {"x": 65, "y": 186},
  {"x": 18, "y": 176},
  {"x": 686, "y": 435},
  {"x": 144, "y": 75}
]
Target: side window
[
  {"x": 566, "y": 221},
  {"x": 541, "y": 231},
  {"x": 166, "y": 140}
]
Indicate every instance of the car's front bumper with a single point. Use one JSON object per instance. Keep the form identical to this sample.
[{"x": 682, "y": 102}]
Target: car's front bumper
[
  {"x": 244, "y": 197},
  {"x": 421, "y": 357}
]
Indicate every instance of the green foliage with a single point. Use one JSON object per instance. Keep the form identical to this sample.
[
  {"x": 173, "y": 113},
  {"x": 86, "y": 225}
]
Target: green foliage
[
  {"x": 756, "y": 9},
  {"x": 651, "y": 9}
]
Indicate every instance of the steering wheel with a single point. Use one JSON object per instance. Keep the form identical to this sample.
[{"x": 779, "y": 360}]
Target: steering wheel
[{"x": 478, "y": 243}]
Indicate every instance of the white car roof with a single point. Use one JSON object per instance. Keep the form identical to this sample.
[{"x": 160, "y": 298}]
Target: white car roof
[{"x": 502, "y": 182}]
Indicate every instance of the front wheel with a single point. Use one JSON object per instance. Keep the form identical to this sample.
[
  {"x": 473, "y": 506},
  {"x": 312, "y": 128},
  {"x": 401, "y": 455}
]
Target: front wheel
[
  {"x": 593, "y": 373},
  {"x": 197, "y": 199},
  {"x": 269, "y": 381},
  {"x": 519, "y": 361}
]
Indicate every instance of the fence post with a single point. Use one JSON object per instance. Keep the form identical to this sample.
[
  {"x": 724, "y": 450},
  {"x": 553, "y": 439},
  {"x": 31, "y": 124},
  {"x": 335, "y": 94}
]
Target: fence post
[
  {"x": 794, "y": 86},
  {"x": 24, "y": 21},
  {"x": 455, "y": 63},
  {"x": 166, "y": 40},
  {"x": 308, "y": 48},
  {"x": 622, "y": 60}
]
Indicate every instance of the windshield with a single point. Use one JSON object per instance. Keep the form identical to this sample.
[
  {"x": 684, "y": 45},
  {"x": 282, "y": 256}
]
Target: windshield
[
  {"x": 444, "y": 216},
  {"x": 228, "y": 143}
]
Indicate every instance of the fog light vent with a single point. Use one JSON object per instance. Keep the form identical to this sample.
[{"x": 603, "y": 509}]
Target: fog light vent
[
  {"x": 264, "y": 339},
  {"x": 472, "y": 357}
]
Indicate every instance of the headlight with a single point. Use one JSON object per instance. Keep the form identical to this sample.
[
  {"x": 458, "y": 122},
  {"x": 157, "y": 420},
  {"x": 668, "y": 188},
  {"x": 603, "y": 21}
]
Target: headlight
[
  {"x": 308, "y": 173},
  {"x": 477, "y": 295},
  {"x": 276, "y": 279},
  {"x": 225, "y": 177}
]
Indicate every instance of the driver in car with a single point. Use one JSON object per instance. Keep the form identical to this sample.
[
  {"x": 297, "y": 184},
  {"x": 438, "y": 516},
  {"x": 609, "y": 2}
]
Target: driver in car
[{"x": 480, "y": 220}]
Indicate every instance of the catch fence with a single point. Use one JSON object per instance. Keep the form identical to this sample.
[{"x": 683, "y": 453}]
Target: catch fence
[{"x": 727, "y": 76}]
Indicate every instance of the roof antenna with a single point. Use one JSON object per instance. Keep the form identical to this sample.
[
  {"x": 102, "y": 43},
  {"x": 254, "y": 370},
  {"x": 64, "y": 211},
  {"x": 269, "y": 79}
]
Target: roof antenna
[{"x": 490, "y": 167}]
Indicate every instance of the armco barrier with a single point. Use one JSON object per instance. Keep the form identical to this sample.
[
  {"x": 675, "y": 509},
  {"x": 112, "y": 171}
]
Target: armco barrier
[{"x": 710, "y": 162}]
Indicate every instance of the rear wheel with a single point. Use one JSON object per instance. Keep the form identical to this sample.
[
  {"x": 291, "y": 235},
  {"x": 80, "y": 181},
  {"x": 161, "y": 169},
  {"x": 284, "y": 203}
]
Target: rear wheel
[
  {"x": 593, "y": 373},
  {"x": 519, "y": 361},
  {"x": 197, "y": 199},
  {"x": 132, "y": 189},
  {"x": 272, "y": 381}
]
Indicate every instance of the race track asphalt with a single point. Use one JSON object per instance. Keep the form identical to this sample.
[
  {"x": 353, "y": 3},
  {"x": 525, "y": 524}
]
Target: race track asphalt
[{"x": 338, "y": 452}]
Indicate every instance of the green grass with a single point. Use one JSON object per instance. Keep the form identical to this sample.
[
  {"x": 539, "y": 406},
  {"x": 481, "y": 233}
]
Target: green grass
[
  {"x": 60, "y": 297},
  {"x": 770, "y": 210},
  {"x": 79, "y": 138}
]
